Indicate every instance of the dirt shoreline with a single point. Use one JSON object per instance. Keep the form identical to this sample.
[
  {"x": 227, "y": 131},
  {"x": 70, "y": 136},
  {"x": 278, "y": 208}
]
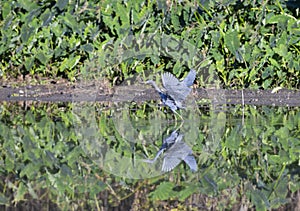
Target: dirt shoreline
[{"x": 100, "y": 93}]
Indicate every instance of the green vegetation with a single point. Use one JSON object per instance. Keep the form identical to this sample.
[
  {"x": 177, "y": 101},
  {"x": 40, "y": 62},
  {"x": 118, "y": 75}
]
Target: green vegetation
[
  {"x": 52, "y": 154},
  {"x": 247, "y": 44},
  {"x": 46, "y": 158}
]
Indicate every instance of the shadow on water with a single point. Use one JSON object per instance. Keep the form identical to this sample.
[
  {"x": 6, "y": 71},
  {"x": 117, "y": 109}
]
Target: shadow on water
[{"x": 94, "y": 155}]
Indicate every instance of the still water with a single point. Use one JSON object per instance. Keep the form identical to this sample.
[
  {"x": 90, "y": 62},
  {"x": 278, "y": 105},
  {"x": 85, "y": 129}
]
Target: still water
[{"x": 118, "y": 154}]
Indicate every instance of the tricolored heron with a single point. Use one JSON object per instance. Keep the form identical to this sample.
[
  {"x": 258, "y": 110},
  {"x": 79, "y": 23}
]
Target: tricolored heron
[
  {"x": 175, "y": 151},
  {"x": 175, "y": 91}
]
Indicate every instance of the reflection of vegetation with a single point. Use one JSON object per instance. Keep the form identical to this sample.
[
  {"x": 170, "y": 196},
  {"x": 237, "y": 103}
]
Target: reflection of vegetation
[{"x": 43, "y": 159}]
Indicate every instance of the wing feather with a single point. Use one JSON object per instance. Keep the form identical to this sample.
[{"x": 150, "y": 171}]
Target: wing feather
[
  {"x": 191, "y": 162},
  {"x": 176, "y": 89},
  {"x": 169, "y": 163},
  {"x": 190, "y": 78}
]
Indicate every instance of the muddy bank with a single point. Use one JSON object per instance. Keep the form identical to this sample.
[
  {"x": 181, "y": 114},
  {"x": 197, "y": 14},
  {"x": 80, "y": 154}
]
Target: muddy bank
[{"x": 100, "y": 93}]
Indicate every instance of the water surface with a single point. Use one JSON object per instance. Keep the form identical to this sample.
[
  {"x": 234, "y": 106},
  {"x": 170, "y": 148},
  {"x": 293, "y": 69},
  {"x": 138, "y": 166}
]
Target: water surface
[{"x": 245, "y": 155}]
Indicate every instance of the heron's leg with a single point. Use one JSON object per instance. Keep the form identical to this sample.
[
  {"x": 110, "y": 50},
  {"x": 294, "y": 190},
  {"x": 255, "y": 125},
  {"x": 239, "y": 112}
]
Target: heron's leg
[
  {"x": 181, "y": 124},
  {"x": 177, "y": 115}
]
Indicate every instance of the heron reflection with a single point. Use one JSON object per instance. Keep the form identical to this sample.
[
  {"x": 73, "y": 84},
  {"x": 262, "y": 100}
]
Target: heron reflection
[
  {"x": 175, "y": 91},
  {"x": 176, "y": 150}
]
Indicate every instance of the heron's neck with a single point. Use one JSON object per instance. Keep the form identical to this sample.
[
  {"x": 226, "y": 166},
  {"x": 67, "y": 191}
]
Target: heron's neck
[{"x": 156, "y": 87}]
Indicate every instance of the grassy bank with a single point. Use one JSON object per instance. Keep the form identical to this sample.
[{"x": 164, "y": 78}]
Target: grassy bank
[{"x": 244, "y": 44}]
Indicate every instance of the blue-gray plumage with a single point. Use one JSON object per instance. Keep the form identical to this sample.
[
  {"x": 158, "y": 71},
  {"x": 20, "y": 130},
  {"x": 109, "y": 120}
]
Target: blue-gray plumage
[
  {"x": 175, "y": 151},
  {"x": 175, "y": 91}
]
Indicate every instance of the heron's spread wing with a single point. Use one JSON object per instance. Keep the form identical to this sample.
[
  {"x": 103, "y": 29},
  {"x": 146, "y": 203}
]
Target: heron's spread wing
[
  {"x": 189, "y": 79},
  {"x": 175, "y": 154},
  {"x": 191, "y": 162},
  {"x": 170, "y": 163},
  {"x": 169, "y": 80},
  {"x": 176, "y": 89}
]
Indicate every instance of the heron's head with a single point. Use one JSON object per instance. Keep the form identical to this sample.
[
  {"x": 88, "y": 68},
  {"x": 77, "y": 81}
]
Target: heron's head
[
  {"x": 153, "y": 84},
  {"x": 149, "y": 82}
]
